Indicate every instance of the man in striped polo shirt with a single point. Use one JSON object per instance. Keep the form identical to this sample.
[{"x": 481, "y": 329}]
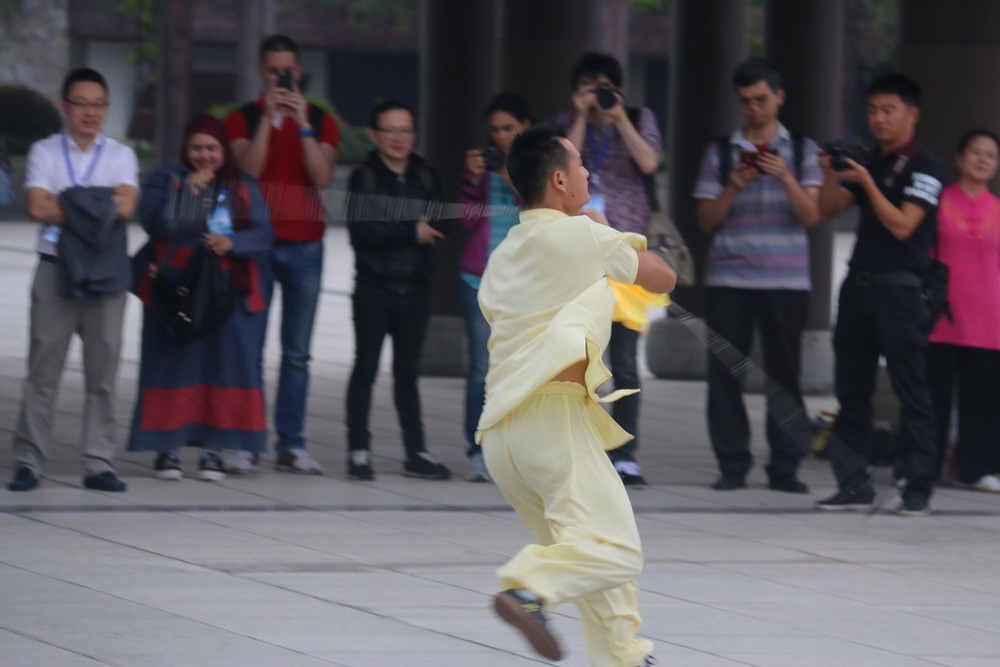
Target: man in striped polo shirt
[{"x": 757, "y": 194}]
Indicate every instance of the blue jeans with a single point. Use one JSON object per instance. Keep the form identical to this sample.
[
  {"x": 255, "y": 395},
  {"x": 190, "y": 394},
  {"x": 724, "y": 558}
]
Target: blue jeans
[
  {"x": 477, "y": 330},
  {"x": 299, "y": 269}
]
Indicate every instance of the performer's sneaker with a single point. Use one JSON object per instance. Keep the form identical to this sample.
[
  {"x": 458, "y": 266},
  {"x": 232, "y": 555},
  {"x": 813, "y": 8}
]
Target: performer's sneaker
[{"x": 523, "y": 610}]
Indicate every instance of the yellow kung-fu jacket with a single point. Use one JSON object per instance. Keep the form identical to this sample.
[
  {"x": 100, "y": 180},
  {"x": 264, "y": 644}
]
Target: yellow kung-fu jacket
[{"x": 546, "y": 296}]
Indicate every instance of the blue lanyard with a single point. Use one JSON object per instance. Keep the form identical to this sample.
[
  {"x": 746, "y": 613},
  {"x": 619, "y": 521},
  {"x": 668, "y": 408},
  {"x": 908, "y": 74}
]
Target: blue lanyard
[
  {"x": 598, "y": 153},
  {"x": 90, "y": 168}
]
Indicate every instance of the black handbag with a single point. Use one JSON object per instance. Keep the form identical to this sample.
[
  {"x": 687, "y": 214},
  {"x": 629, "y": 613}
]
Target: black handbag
[
  {"x": 936, "y": 292},
  {"x": 197, "y": 302}
]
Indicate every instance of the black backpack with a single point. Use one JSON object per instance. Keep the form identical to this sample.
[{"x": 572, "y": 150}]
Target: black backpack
[{"x": 726, "y": 156}]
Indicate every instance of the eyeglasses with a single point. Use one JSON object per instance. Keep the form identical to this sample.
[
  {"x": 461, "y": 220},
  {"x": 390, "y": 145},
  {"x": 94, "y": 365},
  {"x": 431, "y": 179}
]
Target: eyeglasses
[
  {"x": 395, "y": 131},
  {"x": 87, "y": 106}
]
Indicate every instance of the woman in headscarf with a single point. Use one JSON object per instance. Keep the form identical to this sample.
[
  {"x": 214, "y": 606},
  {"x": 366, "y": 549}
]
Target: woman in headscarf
[{"x": 206, "y": 392}]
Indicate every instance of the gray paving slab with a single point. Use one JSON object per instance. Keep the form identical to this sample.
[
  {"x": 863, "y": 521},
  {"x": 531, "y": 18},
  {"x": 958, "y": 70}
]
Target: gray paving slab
[{"x": 278, "y": 569}]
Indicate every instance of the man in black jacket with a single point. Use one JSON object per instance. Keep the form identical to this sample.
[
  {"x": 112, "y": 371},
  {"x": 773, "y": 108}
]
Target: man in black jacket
[{"x": 392, "y": 237}]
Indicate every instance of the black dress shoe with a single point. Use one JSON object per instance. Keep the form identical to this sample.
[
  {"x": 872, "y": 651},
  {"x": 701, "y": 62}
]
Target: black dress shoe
[
  {"x": 788, "y": 485},
  {"x": 104, "y": 481},
  {"x": 729, "y": 483},
  {"x": 24, "y": 479}
]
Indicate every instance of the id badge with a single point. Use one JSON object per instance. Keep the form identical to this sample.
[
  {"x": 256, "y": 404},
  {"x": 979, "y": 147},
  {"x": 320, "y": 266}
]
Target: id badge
[{"x": 597, "y": 203}]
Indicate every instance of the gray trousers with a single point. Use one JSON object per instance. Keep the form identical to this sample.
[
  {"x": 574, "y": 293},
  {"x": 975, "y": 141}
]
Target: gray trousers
[{"x": 54, "y": 320}]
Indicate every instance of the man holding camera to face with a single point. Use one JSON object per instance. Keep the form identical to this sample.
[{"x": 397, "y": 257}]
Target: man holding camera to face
[
  {"x": 621, "y": 148},
  {"x": 882, "y": 310},
  {"x": 290, "y": 147},
  {"x": 757, "y": 193}
]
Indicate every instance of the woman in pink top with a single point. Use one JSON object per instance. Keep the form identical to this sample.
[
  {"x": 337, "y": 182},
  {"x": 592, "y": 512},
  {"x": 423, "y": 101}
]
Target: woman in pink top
[{"x": 965, "y": 350}]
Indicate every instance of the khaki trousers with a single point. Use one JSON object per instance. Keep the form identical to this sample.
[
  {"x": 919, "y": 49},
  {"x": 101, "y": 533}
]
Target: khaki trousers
[
  {"x": 550, "y": 463},
  {"x": 54, "y": 320}
]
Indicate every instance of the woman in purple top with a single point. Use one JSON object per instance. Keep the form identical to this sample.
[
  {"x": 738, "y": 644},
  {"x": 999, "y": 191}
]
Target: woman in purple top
[
  {"x": 491, "y": 208},
  {"x": 965, "y": 349}
]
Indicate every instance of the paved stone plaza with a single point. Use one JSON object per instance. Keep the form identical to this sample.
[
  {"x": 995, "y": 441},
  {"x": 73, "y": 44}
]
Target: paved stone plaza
[{"x": 278, "y": 569}]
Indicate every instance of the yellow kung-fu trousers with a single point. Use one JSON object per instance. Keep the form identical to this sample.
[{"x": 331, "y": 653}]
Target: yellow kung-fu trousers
[{"x": 549, "y": 462}]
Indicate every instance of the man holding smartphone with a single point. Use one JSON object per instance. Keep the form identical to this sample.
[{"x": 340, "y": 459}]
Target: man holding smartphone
[
  {"x": 290, "y": 147},
  {"x": 757, "y": 193}
]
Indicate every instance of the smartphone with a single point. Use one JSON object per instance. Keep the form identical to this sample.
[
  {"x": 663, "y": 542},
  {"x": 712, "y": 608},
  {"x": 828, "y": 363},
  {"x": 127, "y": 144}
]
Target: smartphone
[
  {"x": 750, "y": 158},
  {"x": 285, "y": 79}
]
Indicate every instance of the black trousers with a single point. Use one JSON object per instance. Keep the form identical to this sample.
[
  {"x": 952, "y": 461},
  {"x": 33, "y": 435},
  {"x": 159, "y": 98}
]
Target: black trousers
[
  {"x": 975, "y": 372},
  {"x": 780, "y": 315},
  {"x": 623, "y": 363},
  {"x": 889, "y": 321},
  {"x": 378, "y": 312}
]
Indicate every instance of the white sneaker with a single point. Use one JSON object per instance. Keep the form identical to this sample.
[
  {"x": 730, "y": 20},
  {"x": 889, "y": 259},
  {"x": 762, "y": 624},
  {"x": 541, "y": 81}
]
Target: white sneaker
[
  {"x": 475, "y": 469},
  {"x": 239, "y": 462},
  {"x": 989, "y": 483},
  {"x": 297, "y": 460}
]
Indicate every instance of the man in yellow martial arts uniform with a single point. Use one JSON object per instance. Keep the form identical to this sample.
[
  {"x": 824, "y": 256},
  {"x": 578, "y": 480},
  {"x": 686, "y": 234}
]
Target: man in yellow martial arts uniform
[{"x": 546, "y": 296}]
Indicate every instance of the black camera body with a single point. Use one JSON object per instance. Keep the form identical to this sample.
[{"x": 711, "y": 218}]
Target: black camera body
[
  {"x": 606, "y": 97},
  {"x": 843, "y": 149},
  {"x": 493, "y": 157}
]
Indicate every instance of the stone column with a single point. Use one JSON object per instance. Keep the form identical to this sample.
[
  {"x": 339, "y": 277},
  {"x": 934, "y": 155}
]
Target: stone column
[
  {"x": 257, "y": 21},
  {"x": 173, "y": 77},
  {"x": 457, "y": 80},
  {"x": 709, "y": 41},
  {"x": 539, "y": 43},
  {"x": 812, "y": 108}
]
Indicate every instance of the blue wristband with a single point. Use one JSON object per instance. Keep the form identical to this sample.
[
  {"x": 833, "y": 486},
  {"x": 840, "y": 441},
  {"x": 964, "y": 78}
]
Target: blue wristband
[{"x": 307, "y": 133}]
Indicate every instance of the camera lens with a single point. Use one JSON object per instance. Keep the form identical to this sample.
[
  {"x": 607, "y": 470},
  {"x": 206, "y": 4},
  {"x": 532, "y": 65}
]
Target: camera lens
[{"x": 605, "y": 96}]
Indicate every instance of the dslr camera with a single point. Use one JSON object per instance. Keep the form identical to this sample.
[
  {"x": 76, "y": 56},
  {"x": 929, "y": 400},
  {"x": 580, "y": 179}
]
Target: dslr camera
[
  {"x": 493, "y": 157},
  {"x": 606, "y": 97},
  {"x": 843, "y": 149}
]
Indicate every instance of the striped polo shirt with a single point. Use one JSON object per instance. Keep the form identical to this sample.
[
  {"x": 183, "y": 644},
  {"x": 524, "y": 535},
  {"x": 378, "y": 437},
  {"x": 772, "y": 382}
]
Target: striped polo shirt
[{"x": 760, "y": 245}]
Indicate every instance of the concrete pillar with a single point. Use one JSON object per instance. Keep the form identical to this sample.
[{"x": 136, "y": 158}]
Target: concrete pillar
[
  {"x": 457, "y": 80},
  {"x": 538, "y": 44},
  {"x": 804, "y": 39},
  {"x": 709, "y": 41},
  {"x": 173, "y": 77},
  {"x": 610, "y": 30},
  {"x": 257, "y": 21},
  {"x": 953, "y": 50}
]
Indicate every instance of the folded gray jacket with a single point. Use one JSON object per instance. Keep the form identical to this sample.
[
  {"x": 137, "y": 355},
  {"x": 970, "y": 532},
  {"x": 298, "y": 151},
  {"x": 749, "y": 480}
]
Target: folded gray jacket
[{"x": 93, "y": 249}]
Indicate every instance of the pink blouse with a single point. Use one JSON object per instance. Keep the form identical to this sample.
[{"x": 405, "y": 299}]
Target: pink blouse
[{"x": 969, "y": 243}]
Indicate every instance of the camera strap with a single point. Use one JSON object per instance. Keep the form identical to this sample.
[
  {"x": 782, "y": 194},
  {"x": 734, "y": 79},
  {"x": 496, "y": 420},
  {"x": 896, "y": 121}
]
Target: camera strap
[{"x": 902, "y": 159}]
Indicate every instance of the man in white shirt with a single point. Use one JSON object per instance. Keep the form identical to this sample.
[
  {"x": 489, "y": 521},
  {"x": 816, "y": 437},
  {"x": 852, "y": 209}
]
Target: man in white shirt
[
  {"x": 546, "y": 296},
  {"x": 78, "y": 157}
]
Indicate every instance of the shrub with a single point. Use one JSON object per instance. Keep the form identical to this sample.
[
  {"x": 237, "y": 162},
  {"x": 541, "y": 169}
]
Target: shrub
[{"x": 25, "y": 117}]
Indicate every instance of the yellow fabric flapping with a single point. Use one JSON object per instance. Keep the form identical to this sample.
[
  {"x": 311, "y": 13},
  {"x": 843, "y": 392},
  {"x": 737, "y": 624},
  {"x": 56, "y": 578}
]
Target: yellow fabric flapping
[{"x": 631, "y": 304}]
